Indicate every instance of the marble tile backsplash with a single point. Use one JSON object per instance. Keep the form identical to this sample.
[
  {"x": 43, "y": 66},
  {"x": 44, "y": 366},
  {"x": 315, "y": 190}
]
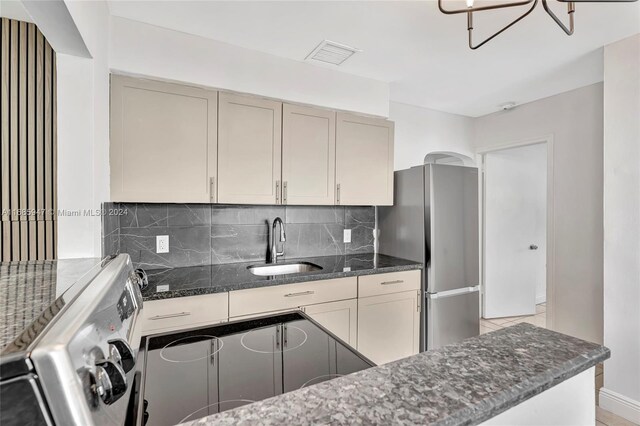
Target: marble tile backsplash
[
  {"x": 110, "y": 229},
  {"x": 201, "y": 234}
]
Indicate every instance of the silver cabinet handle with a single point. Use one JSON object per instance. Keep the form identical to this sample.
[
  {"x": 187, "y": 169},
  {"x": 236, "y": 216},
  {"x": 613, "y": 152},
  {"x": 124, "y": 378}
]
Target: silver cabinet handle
[
  {"x": 392, "y": 282},
  {"x": 338, "y": 193},
  {"x": 285, "y": 338},
  {"x": 277, "y": 192},
  {"x": 301, "y": 293},
  {"x": 178, "y": 314},
  {"x": 212, "y": 189},
  {"x": 284, "y": 192}
]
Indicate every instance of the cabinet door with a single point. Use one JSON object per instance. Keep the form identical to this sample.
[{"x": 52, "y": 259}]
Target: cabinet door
[
  {"x": 364, "y": 161},
  {"x": 338, "y": 317},
  {"x": 162, "y": 141},
  {"x": 184, "y": 312},
  {"x": 308, "y": 155},
  {"x": 389, "y": 326},
  {"x": 249, "y": 150}
]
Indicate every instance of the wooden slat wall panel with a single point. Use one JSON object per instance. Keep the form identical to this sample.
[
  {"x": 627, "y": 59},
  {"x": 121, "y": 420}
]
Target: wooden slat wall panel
[
  {"x": 54, "y": 124},
  {"x": 22, "y": 140},
  {"x": 4, "y": 152},
  {"x": 28, "y": 136},
  {"x": 31, "y": 139}
]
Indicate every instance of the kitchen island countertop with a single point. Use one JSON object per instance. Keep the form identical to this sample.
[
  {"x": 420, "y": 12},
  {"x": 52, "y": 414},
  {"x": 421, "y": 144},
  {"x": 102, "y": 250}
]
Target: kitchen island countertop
[
  {"x": 195, "y": 280},
  {"x": 459, "y": 384},
  {"x": 29, "y": 288}
]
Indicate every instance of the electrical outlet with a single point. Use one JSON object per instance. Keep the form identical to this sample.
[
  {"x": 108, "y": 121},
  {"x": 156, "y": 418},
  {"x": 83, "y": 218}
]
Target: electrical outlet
[
  {"x": 162, "y": 244},
  {"x": 347, "y": 235}
]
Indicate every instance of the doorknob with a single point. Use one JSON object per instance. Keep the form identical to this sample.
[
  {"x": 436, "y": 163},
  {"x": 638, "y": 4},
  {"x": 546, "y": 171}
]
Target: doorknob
[{"x": 533, "y": 247}]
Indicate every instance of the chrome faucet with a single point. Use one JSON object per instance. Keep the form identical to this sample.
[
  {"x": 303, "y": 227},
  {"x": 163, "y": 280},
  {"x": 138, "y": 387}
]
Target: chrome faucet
[{"x": 273, "y": 253}]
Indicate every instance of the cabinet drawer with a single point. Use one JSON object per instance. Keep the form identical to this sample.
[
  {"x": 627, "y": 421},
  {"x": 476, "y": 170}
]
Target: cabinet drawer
[
  {"x": 266, "y": 299},
  {"x": 184, "y": 312},
  {"x": 394, "y": 282}
]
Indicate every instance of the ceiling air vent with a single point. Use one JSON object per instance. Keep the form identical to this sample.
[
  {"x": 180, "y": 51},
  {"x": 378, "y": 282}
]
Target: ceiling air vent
[{"x": 330, "y": 52}]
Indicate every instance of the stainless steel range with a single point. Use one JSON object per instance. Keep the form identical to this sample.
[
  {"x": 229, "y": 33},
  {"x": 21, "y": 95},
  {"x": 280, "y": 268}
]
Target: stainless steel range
[{"x": 75, "y": 365}]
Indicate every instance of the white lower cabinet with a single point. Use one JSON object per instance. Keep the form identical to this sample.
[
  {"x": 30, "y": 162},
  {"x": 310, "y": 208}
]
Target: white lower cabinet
[
  {"x": 389, "y": 326},
  {"x": 291, "y": 296},
  {"x": 184, "y": 312},
  {"x": 379, "y": 315},
  {"x": 332, "y": 303},
  {"x": 340, "y": 318}
]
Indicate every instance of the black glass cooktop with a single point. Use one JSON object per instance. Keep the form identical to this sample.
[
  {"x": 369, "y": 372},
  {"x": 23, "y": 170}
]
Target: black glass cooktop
[{"x": 201, "y": 372}]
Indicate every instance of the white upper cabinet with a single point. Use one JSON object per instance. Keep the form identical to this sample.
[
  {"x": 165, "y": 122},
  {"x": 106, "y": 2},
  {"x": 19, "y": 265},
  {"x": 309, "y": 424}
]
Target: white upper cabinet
[
  {"x": 308, "y": 155},
  {"x": 163, "y": 141},
  {"x": 364, "y": 160},
  {"x": 181, "y": 144},
  {"x": 249, "y": 150}
]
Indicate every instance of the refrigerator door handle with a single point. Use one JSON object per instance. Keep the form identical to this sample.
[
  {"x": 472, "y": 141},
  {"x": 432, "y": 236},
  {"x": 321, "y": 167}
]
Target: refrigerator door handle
[{"x": 449, "y": 293}]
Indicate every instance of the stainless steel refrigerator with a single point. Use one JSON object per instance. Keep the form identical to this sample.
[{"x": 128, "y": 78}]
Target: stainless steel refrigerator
[{"x": 434, "y": 220}]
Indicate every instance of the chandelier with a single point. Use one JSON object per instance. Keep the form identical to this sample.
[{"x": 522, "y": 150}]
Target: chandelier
[{"x": 571, "y": 8}]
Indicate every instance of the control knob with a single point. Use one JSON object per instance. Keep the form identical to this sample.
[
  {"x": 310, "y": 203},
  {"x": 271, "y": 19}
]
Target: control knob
[
  {"x": 111, "y": 382},
  {"x": 120, "y": 353}
]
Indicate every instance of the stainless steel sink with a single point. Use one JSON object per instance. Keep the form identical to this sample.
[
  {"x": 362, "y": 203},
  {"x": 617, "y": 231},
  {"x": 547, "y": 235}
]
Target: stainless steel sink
[{"x": 283, "y": 268}]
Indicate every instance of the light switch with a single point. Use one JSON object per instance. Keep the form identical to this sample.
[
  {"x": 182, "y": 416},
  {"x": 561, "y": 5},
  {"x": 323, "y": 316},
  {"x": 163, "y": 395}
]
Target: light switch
[{"x": 347, "y": 235}]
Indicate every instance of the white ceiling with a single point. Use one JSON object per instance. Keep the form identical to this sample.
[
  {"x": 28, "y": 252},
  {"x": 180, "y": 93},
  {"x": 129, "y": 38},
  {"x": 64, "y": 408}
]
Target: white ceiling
[
  {"x": 14, "y": 9},
  {"x": 421, "y": 52}
]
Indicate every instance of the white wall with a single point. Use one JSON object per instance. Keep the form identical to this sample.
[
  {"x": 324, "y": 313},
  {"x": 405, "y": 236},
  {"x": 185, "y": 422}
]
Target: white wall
[
  {"x": 157, "y": 52},
  {"x": 621, "y": 392},
  {"x": 75, "y": 154},
  {"x": 575, "y": 119},
  {"x": 83, "y": 135},
  {"x": 419, "y": 131}
]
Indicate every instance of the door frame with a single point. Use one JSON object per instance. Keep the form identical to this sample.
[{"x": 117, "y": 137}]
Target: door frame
[{"x": 550, "y": 231}]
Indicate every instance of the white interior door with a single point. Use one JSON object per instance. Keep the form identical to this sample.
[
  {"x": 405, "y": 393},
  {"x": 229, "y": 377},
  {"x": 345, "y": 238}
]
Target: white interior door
[{"x": 515, "y": 199}]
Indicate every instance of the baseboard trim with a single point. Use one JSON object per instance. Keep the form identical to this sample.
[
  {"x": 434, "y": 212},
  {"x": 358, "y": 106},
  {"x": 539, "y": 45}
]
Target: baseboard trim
[{"x": 620, "y": 405}]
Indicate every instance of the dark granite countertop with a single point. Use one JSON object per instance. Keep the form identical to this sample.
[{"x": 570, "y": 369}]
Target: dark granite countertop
[
  {"x": 460, "y": 384},
  {"x": 195, "y": 280},
  {"x": 28, "y": 288}
]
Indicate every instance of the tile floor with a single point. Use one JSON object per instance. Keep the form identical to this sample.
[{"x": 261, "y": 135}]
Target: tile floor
[{"x": 603, "y": 417}]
